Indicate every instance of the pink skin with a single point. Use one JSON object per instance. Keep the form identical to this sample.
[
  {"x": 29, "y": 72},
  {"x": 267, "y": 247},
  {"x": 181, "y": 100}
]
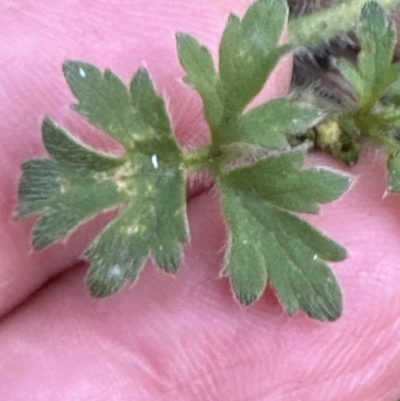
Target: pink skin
[{"x": 182, "y": 337}]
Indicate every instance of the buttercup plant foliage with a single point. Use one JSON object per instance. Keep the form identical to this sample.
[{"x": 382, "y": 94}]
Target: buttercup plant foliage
[{"x": 257, "y": 167}]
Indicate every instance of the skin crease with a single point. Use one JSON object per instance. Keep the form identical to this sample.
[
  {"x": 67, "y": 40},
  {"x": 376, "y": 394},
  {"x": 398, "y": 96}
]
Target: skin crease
[{"x": 182, "y": 337}]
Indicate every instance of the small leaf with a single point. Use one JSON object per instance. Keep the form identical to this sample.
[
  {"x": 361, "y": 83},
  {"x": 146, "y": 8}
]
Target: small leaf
[
  {"x": 352, "y": 74},
  {"x": 201, "y": 75},
  {"x": 249, "y": 51},
  {"x": 66, "y": 197},
  {"x": 245, "y": 258},
  {"x": 68, "y": 150},
  {"x": 149, "y": 104},
  {"x": 392, "y": 95},
  {"x": 393, "y": 166},
  {"x": 153, "y": 223},
  {"x": 68, "y": 190},
  {"x": 374, "y": 71},
  {"x": 105, "y": 102},
  {"x": 267, "y": 243},
  {"x": 147, "y": 184},
  {"x": 38, "y": 183},
  {"x": 281, "y": 181},
  {"x": 269, "y": 124}
]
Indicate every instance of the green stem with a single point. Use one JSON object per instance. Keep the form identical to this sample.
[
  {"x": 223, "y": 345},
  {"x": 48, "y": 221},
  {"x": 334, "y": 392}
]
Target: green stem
[
  {"x": 198, "y": 160},
  {"x": 324, "y": 25}
]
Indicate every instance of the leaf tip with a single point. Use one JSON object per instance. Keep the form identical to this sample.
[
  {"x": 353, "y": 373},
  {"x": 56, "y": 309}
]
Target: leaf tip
[
  {"x": 68, "y": 67},
  {"x": 76, "y": 71},
  {"x": 246, "y": 299},
  {"x": 340, "y": 254},
  {"x": 40, "y": 240},
  {"x": 247, "y": 294},
  {"x": 48, "y": 127},
  {"x": 180, "y": 36},
  {"x": 101, "y": 284},
  {"x": 142, "y": 77},
  {"x": 331, "y": 314}
]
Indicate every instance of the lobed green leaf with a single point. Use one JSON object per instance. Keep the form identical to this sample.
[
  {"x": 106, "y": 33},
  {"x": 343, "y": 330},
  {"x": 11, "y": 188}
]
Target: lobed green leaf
[
  {"x": 153, "y": 223},
  {"x": 201, "y": 75},
  {"x": 266, "y": 242},
  {"x": 150, "y": 105},
  {"x": 105, "y": 102},
  {"x": 37, "y": 184},
  {"x": 281, "y": 181},
  {"x": 69, "y": 151},
  {"x": 67, "y": 190},
  {"x": 64, "y": 196},
  {"x": 374, "y": 71},
  {"x": 269, "y": 243},
  {"x": 269, "y": 124},
  {"x": 352, "y": 74},
  {"x": 128, "y": 116},
  {"x": 249, "y": 51},
  {"x": 147, "y": 184}
]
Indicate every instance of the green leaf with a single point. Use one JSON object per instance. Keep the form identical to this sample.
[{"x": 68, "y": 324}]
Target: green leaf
[
  {"x": 105, "y": 102},
  {"x": 268, "y": 243},
  {"x": 352, "y": 74},
  {"x": 66, "y": 191},
  {"x": 269, "y": 124},
  {"x": 281, "y": 181},
  {"x": 65, "y": 197},
  {"x": 260, "y": 179},
  {"x": 393, "y": 166},
  {"x": 201, "y": 75},
  {"x": 69, "y": 151},
  {"x": 147, "y": 184},
  {"x": 249, "y": 51},
  {"x": 392, "y": 95},
  {"x": 153, "y": 223},
  {"x": 374, "y": 71},
  {"x": 149, "y": 105}
]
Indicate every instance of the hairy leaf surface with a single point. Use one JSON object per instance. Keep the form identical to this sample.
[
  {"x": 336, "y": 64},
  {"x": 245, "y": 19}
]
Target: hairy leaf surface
[
  {"x": 260, "y": 178},
  {"x": 248, "y": 52},
  {"x": 267, "y": 243},
  {"x": 374, "y": 71},
  {"x": 146, "y": 184}
]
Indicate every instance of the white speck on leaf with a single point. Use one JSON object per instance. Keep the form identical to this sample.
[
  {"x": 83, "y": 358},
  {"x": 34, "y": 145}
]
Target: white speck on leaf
[
  {"x": 150, "y": 187},
  {"x": 82, "y": 72},
  {"x": 154, "y": 160},
  {"x": 115, "y": 271},
  {"x": 244, "y": 242},
  {"x": 315, "y": 257},
  {"x": 122, "y": 184},
  {"x": 133, "y": 230}
]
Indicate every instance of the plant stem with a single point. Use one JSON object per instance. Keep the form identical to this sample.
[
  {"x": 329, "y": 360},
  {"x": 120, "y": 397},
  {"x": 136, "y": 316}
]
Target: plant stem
[
  {"x": 198, "y": 160},
  {"x": 324, "y": 25}
]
